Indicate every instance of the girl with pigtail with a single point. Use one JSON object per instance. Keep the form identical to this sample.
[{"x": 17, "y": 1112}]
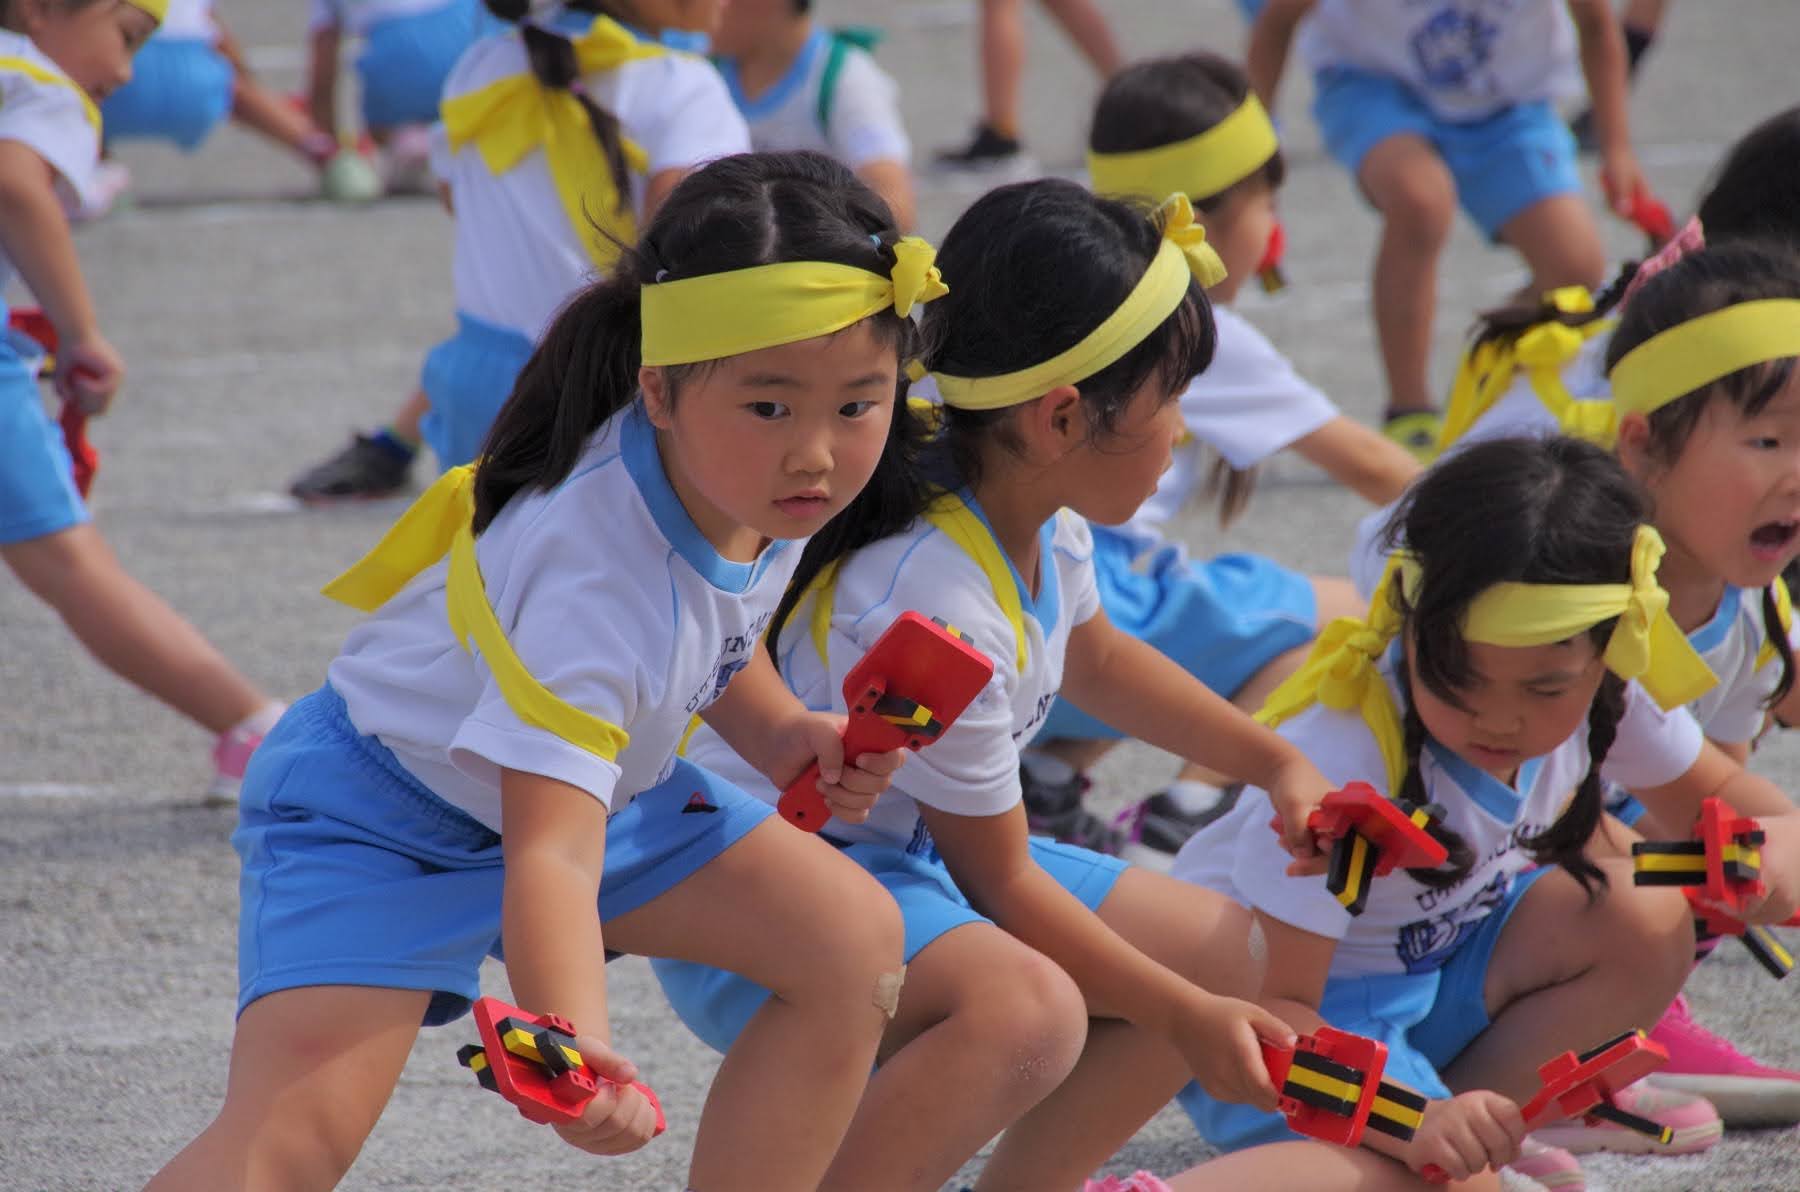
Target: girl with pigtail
[{"x": 1518, "y": 655}]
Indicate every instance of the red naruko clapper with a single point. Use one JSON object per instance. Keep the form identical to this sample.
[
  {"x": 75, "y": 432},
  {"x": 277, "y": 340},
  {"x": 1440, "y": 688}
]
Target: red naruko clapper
[
  {"x": 84, "y": 460},
  {"x": 532, "y": 1061},
  {"x": 1330, "y": 1088},
  {"x": 1372, "y": 836},
  {"x": 911, "y": 686}
]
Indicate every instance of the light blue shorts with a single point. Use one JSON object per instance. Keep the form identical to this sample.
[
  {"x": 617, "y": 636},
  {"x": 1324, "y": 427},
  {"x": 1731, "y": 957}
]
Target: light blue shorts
[
  {"x": 1502, "y": 164},
  {"x": 1223, "y": 619},
  {"x": 1425, "y": 1019},
  {"x": 716, "y": 1004},
  {"x": 406, "y": 59},
  {"x": 468, "y": 378},
  {"x": 180, "y": 90},
  {"x": 37, "y": 479},
  {"x": 355, "y": 874}
]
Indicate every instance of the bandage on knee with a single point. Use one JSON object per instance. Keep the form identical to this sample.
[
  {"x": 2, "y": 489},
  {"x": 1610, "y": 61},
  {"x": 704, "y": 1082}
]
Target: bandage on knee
[{"x": 887, "y": 992}]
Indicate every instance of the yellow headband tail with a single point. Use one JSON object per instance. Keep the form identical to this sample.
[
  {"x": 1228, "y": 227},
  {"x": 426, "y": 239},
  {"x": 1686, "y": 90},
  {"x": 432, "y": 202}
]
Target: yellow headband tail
[
  {"x": 1696, "y": 353},
  {"x": 156, "y": 8},
  {"x": 1199, "y": 167},
  {"x": 1183, "y": 257},
  {"x": 725, "y": 314},
  {"x": 509, "y": 118}
]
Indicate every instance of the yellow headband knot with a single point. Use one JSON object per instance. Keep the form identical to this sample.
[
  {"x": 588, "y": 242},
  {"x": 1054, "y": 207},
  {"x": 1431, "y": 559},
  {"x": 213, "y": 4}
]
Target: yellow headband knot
[
  {"x": 1543, "y": 351},
  {"x": 1200, "y": 166},
  {"x": 511, "y": 117},
  {"x": 1183, "y": 257},
  {"x": 1694, "y": 354},
  {"x": 725, "y": 314},
  {"x": 158, "y": 9}
]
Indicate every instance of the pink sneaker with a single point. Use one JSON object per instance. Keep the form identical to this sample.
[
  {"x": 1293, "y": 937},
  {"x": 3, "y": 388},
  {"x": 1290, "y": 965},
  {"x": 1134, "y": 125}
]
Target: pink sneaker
[
  {"x": 1139, "y": 1181},
  {"x": 1549, "y": 1167},
  {"x": 1693, "y": 1123},
  {"x": 1703, "y": 1064},
  {"x": 231, "y": 755}
]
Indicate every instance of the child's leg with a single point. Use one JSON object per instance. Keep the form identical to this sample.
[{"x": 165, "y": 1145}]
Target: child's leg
[
  {"x": 311, "y": 1069},
  {"x": 258, "y": 108},
  {"x": 130, "y": 629},
  {"x": 1412, "y": 188},
  {"x": 1127, "y": 1074},
  {"x": 1567, "y": 974},
  {"x": 984, "y": 1015},
  {"x": 791, "y": 914},
  {"x": 1002, "y": 63},
  {"x": 1560, "y": 242},
  {"x": 1313, "y": 1167},
  {"x": 1087, "y": 27}
]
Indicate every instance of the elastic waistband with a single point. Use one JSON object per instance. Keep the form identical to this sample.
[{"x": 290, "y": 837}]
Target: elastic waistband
[{"x": 330, "y": 717}]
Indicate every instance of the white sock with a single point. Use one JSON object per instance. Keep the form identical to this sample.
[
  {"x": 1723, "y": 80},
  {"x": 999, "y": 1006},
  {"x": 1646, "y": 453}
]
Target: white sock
[
  {"x": 259, "y": 722},
  {"x": 1193, "y": 797}
]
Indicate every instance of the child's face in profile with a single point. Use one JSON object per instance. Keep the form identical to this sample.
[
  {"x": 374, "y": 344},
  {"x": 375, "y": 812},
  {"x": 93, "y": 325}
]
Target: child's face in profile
[
  {"x": 93, "y": 43},
  {"x": 1520, "y": 702},
  {"x": 1239, "y": 230}
]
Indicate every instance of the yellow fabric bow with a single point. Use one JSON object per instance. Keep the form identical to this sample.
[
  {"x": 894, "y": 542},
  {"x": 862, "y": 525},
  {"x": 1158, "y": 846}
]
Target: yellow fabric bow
[
  {"x": 725, "y": 314},
  {"x": 1543, "y": 351},
  {"x": 440, "y": 521},
  {"x": 1183, "y": 257},
  {"x": 511, "y": 117}
]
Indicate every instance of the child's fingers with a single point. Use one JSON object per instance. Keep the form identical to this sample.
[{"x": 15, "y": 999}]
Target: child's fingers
[
  {"x": 606, "y": 1063},
  {"x": 880, "y": 766},
  {"x": 827, "y": 744},
  {"x": 1254, "y": 1086},
  {"x": 850, "y": 806},
  {"x": 1497, "y": 1142}
]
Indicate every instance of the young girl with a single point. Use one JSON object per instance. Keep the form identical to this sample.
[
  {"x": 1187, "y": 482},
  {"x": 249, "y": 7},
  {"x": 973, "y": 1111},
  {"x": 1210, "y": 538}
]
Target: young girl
[
  {"x": 1493, "y": 679},
  {"x": 190, "y": 76},
  {"x": 1433, "y": 104},
  {"x": 1240, "y": 623},
  {"x": 560, "y": 139},
  {"x": 58, "y": 59},
  {"x": 801, "y": 86},
  {"x": 495, "y": 747},
  {"x": 1066, "y": 400}
]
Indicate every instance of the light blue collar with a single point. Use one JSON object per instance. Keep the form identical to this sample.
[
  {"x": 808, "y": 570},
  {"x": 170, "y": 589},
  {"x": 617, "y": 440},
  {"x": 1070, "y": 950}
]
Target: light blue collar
[
  {"x": 1499, "y": 800},
  {"x": 1710, "y": 635},
  {"x": 769, "y": 101},
  {"x": 637, "y": 445},
  {"x": 1047, "y": 604}
]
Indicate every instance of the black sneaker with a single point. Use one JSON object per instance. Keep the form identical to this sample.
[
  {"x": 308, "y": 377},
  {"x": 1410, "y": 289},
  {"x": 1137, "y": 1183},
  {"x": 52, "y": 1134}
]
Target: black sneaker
[
  {"x": 368, "y": 467},
  {"x": 1160, "y": 826},
  {"x": 987, "y": 150},
  {"x": 1053, "y": 791}
]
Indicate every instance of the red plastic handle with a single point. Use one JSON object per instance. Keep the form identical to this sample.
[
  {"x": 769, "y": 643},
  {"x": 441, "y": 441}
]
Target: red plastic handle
[{"x": 801, "y": 803}]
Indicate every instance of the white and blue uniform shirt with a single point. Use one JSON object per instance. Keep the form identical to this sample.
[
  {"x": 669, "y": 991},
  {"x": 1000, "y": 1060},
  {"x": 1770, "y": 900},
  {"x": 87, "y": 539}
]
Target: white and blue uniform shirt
[
  {"x": 973, "y": 769},
  {"x": 189, "y": 20},
  {"x": 1466, "y": 59},
  {"x": 517, "y": 259},
  {"x": 1408, "y": 927},
  {"x": 610, "y": 597},
  {"x": 858, "y": 123},
  {"x": 45, "y": 110},
  {"x": 356, "y": 17}
]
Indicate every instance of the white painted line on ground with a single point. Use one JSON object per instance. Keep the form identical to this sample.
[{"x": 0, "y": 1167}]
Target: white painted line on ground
[{"x": 54, "y": 790}]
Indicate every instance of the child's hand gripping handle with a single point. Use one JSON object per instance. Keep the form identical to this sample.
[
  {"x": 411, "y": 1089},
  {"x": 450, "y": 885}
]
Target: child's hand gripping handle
[
  {"x": 84, "y": 461},
  {"x": 535, "y": 1063},
  {"x": 801, "y": 804}
]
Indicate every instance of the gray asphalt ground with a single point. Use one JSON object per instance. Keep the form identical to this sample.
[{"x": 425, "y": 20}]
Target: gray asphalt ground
[{"x": 260, "y": 327}]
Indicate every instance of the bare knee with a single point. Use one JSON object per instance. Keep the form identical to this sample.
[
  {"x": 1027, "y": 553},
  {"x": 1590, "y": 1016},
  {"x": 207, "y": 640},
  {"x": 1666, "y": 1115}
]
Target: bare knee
[
  {"x": 1030, "y": 1014},
  {"x": 858, "y": 948},
  {"x": 1418, "y": 203}
]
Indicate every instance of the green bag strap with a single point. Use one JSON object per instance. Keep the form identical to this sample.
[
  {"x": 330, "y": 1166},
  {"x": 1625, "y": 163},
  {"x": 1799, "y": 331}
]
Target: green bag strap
[{"x": 843, "y": 40}]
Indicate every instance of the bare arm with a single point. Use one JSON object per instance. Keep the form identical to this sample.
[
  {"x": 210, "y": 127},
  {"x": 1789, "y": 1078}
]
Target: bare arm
[
  {"x": 893, "y": 182},
  {"x": 656, "y": 190},
  {"x": 1270, "y": 38},
  {"x": 321, "y": 81},
  {"x": 1372, "y": 465},
  {"x": 1603, "y": 65}
]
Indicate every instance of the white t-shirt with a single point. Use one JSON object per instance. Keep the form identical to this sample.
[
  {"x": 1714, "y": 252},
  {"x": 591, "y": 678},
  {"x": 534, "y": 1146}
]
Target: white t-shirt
[
  {"x": 517, "y": 257},
  {"x": 355, "y": 17},
  {"x": 50, "y": 119},
  {"x": 973, "y": 769},
  {"x": 1465, "y": 59},
  {"x": 864, "y": 124},
  {"x": 610, "y": 597},
  {"x": 1247, "y": 405},
  {"x": 1407, "y": 926},
  {"x": 189, "y": 20}
]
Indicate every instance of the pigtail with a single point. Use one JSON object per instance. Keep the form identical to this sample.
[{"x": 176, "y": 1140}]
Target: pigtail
[
  {"x": 1231, "y": 487},
  {"x": 582, "y": 373},
  {"x": 1564, "y": 842},
  {"x": 1503, "y": 324},
  {"x": 554, "y": 64},
  {"x": 1411, "y": 796},
  {"x": 1778, "y": 638}
]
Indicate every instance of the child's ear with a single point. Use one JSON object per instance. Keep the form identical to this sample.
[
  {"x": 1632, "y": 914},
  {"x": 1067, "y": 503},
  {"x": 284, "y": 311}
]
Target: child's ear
[
  {"x": 1055, "y": 424},
  {"x": 1633, "y": 446},
  {"x": 653, "y": 383}
]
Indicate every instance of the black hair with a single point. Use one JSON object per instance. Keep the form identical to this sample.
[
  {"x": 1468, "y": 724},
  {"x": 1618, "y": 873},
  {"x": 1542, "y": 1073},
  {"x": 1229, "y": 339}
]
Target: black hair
[
  {"x": 1159, "y": 102},
  {"x": 1033, "y": 268},
  {"x": 1704, "y": 281},
  {"x": 1530, "y": 510},
  {"x": 1755, "y": 193},
  {"x": 734, "y": 213},
  {"x": 553, "y": 63}
]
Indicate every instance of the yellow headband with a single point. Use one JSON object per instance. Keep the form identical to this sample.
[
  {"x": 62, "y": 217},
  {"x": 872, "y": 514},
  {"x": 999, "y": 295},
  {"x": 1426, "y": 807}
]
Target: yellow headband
[
  {"x": 1199, "y": 167},
  {"x": 1341, "y": 672},
  {"x": 1698, "y": 352},
  {"x": 725, "y": 314},
  {"x": 156, "y": 8},
  {"x": 1184, "y": 256}
]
